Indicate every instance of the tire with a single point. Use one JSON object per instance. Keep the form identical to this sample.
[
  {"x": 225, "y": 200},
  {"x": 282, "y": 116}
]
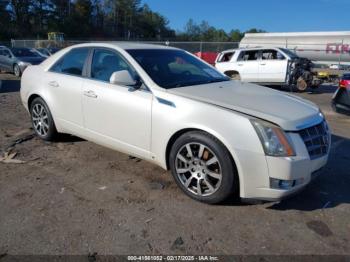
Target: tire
[
  {"x": 301, "y": 84},
  {"x": 42, "y": 121},
  {"x": 197, "y": 173},
  {"x": 17, "y": 70}
]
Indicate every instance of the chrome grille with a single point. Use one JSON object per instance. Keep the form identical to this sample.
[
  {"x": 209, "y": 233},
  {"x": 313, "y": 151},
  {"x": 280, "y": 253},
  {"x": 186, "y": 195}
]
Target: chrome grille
[{"x": 316, "y": 139}]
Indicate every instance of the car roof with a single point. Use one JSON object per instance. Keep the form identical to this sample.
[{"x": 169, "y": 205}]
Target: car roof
[
  {"x": 249, "y": 49},
  {"x": 125, "y": 45}
]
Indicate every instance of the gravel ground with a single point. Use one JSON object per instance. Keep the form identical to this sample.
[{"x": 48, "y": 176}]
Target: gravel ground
[{"x": 75, "y": 197}]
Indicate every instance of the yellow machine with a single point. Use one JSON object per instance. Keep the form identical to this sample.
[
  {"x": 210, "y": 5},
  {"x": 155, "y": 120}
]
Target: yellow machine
[{"x": 55, "y": 36}]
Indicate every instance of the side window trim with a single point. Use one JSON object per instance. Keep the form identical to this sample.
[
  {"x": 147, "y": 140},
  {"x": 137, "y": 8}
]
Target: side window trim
[
  {"x": 91, "y": 56},
  {"x": 83, "y": 74},
  {"x": 144, "y": 87}
]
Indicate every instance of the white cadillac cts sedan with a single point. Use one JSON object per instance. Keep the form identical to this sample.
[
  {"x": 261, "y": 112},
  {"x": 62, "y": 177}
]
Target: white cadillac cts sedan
[{"x": 217, "y": 136}]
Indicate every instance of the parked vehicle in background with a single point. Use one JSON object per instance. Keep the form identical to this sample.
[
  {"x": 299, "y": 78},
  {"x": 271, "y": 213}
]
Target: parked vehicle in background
[
  {"x": 219, "y": 137},
  {"x": 43, "y": 52},
  {"x": 53, "y": 50},
  {"x": 17, "y": 59},
  {"x": 267, "y": 66},
  {"x": 341, "y": 97},
  {"x": 334, "y": 66}
]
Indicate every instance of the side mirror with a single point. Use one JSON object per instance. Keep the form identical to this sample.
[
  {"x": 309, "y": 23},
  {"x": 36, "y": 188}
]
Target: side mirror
[{"x": 122, "y": 77}]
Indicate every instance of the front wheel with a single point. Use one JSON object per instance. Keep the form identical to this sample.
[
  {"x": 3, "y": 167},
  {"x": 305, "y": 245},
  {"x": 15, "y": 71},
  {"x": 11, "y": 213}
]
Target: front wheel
[
  {"x": 202, "y": 167},
  {"x": 42, "y": 120},
  {"x": 17, "y": 70}
]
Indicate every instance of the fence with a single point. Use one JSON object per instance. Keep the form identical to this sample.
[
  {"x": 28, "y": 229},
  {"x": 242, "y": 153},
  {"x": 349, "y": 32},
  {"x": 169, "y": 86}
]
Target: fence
[
  {"x": 189, "y": 46},
  {"x": 335, "y": 53}
]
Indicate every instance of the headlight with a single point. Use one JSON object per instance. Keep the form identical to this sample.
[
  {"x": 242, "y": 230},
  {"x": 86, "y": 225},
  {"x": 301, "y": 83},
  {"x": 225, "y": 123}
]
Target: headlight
[{"x": 273, "y": 138}]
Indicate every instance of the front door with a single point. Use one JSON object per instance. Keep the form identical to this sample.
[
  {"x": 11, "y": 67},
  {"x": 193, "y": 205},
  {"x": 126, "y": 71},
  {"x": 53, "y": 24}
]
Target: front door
[
  {"x": 119, "y": 116},
  {"x": 248, "y": 66},
  {"x": 272, "y": 67}
]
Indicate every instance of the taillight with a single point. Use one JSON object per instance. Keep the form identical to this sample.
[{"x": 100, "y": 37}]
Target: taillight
[{"x": 343, "y": 83}]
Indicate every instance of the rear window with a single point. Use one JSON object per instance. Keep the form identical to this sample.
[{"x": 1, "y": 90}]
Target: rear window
[
  {"x": 226, "y": 57},
  {"x": 72, "y": 63},
  {"x": 346, "y": 77}
]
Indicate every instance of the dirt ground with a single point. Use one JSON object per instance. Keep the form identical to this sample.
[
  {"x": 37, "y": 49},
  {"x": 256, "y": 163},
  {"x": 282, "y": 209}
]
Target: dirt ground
[{"x": 75, "y": 197}]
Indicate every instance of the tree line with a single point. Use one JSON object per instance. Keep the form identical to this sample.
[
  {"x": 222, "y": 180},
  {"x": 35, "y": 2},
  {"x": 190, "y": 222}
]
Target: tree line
[{"x": 99, "y": 19}]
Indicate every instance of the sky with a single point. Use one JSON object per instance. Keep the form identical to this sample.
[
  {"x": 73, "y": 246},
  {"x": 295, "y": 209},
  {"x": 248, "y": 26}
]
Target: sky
[{"x": 270, "y": 15}]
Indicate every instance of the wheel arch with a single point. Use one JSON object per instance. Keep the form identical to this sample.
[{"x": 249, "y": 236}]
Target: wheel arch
[
  {"x": 31, "y": 99},
  {"x": 177, "y": 134},
  {"x": 231, "y": 72}
]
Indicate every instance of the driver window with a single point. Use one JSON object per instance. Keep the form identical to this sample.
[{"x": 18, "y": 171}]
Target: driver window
[
  {"x": 105, "y": 63},
  {"x": 271, "y": 55}
]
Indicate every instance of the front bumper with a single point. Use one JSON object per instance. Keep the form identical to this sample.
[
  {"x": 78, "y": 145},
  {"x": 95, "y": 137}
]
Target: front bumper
[{"x": 299, "y": 168}]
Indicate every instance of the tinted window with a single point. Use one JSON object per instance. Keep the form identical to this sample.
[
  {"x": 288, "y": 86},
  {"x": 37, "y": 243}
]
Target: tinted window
[
  {"x": 226, "y": 57},
  {"x": 271, "y": 55},
  {"x": 24, "y": 52},
  {"x": 4, "y": 52},
  {"x": 72, "y": 63},
  {"x": 248, "y": 55},
  {"x": 171, "y": 68},
  {"x": 105, "y": 63},
  {"x": 289, "y": 53}
]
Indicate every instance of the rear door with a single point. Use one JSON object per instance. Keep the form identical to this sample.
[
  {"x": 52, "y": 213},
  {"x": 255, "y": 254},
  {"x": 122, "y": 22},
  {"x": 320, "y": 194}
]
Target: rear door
[
  {"x": 248, "y": 65},
  {"x": 272, "y": 66},
  {"x": 64, "y": 83}
]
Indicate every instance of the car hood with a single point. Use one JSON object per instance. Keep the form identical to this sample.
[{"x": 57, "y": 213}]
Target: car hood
[
  {"x": 32, "y": 60},
  {"x": 289, "y": 112}
]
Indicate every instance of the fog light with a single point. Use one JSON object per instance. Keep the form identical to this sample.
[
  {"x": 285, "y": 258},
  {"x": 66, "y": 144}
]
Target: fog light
[{"x": 282, "y": 184}]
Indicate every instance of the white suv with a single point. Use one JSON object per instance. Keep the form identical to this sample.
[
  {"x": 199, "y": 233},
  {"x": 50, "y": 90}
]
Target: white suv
[{"x": 270, "y": 66}]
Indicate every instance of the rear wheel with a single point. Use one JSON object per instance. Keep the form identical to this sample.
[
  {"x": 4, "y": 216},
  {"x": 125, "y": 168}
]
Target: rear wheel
[
  {"x": 42, "y": 120},
  {"x": 17, "y": 70},
  {"x": 202, "y": 167}
]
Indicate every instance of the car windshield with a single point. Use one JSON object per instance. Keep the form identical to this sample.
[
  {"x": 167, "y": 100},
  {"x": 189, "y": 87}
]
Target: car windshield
[
  {"x": 289, "y": 53},
  {"x": 22, "y": 52},
  {"x": 171, "y": 68}
]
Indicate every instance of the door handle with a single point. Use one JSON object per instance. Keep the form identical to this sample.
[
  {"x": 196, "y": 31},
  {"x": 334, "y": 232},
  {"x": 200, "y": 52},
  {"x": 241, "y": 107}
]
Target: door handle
[
  {"x": 53, "y": 84},
  {"x": 263, "y": 64},
  {"x": 90, "y": 93},
  {"x": 240, "y": 64}
]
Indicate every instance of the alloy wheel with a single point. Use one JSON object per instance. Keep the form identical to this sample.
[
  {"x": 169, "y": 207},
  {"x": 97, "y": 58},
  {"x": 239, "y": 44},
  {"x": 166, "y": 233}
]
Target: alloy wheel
[
  {"x": 17, "y": 71},
  {"x": 198, "y": 169},
  {"x": 40, "y": 119}
]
